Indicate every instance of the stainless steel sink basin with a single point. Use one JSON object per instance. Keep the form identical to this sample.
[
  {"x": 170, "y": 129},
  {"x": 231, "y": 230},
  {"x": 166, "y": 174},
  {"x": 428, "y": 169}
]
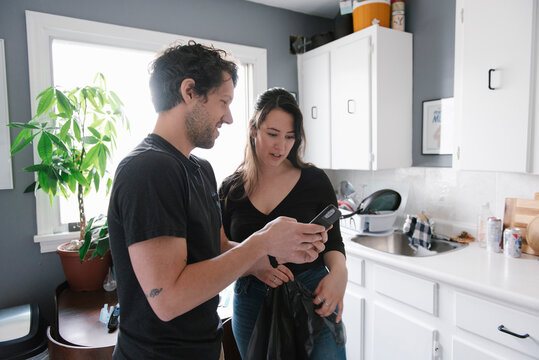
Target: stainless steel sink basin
[{"x": 398, "y": 243}]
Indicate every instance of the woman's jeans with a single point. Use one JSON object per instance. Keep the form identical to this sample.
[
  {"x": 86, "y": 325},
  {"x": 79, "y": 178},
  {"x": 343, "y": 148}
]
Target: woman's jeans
[{"x": 249, "y": 293}]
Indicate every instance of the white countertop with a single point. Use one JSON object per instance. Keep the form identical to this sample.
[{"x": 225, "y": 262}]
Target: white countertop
[{"x": 513, "y": 280}]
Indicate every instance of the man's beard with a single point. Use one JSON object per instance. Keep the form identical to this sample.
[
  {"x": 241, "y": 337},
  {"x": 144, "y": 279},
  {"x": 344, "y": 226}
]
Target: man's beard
[{"x": 199, "y": 128}]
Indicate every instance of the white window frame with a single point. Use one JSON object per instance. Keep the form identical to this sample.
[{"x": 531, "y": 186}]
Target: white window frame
[{"x": 43, "y": 28}]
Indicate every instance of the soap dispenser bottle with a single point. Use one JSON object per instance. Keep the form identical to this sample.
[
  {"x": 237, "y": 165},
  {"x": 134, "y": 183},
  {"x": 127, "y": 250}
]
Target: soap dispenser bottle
[{"x": 484, "y": 214}]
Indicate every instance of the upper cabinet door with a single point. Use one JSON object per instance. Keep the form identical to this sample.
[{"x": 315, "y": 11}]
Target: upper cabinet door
[
  {"x": 493, "y": 84},
  {"x": 314, "y": 89},
  {"x": 356, "y": 101},
  {"x": 351, "y": 105}
]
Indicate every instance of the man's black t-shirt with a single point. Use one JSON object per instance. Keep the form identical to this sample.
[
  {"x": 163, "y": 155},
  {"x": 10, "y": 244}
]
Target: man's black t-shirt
[{"x": 157, "y": 191}]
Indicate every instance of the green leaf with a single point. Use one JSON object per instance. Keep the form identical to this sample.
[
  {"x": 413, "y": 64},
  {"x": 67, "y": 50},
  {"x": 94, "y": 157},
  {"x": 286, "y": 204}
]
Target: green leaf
[
  {"x": 44, "y": 148},
  {"x": 64, "y": 104},
  {"x": 36, "y": 167},
  {"x": 109, "y": 185},
  {"x": 90, "y": 158},
  {"x": 102, "y": 158},
  {"x": 43, "y": 180},
  {"x": 117, "y": 100},
  {"x": 94, "y": 132},
  {"x": 23, "y": 125},
  {"x": 87, "y": 242},
  {"x": 64, "y": 130},
  {"x": 46, "y": 101},
  {"x": 76, "y": 130},
  {"x": 59, "y": 143},
  {"x": 24, "y": 134},
  {"x": 90, "y": 140},
  {"x": 72, "y": 183},
  {"x": 97, "y": 121},
  {"x": 92, "y": 99},
  {"x": 64, "y": 189},
  {"x": 103, "y": 245},
  {"x": 97, "y": 179},
  {"x": 53, "y": 180},
  {"x": 30, "y": 188},
  {"x": 79, "y": 177},
  {"x": 99, "y": 79}
]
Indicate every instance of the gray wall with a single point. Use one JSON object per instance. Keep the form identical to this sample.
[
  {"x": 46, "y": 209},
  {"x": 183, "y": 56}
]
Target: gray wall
[
  {"x": 28, "y": 276},
  {"x": 433, "y": 26}
]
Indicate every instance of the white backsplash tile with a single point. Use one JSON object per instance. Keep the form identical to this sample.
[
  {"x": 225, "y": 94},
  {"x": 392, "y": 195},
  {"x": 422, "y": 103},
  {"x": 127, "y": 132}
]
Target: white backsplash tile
[{"x": 451, "y": 197}]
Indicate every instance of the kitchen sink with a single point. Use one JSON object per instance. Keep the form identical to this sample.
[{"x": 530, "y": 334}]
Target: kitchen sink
[{"x": 398, "y": 243}]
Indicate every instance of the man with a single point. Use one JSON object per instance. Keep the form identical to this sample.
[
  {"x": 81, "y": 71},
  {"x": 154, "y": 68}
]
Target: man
[{"x": 164, "y": 217}]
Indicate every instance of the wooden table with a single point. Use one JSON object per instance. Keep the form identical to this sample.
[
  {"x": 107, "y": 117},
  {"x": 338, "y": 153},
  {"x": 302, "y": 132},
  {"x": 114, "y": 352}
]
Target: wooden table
[
  {"x": 78, "y": 317},
  {"x": 78, "y": 334}
]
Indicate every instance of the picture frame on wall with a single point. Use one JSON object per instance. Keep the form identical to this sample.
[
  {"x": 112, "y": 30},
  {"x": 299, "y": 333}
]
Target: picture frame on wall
[
  {"x": 438, "y": 126},
  {"x": 6, "y": 176}
]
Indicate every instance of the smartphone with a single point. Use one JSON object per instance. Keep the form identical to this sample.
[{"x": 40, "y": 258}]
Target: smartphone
[{"x": 327, "y": 216}]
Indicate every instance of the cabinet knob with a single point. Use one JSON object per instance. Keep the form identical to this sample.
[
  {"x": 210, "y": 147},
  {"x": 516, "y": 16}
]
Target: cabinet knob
[
  {"x": 503, "y": 329},
  {"x": 351, "y": 106},
  {"x": 493, "y": 79},
  {"x": 314, "y": 112}
]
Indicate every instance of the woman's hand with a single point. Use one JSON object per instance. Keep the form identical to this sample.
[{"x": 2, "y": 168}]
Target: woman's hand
[
  {"x": 330, "y": 293},
  {"x": 269, "y": 275}
]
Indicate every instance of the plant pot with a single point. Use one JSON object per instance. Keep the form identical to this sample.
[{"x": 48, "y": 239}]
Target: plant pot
[{"x": 87, "y": 275}]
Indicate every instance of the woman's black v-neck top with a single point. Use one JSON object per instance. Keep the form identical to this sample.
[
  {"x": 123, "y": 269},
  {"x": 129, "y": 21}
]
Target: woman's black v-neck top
[{"x": 311, "y": 194}]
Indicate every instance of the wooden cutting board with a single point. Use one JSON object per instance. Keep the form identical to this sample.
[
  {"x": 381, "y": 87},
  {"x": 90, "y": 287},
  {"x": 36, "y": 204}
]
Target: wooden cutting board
[{"x": 519, "y": 213}]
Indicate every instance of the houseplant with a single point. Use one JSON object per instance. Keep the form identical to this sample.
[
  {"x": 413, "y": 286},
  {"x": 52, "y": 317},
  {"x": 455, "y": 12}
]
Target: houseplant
[{"x": 75, "y": 132}]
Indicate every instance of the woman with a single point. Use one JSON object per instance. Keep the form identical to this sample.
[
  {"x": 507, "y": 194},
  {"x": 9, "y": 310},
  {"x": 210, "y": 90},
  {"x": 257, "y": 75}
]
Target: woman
[{"x": 273, "y": 181}]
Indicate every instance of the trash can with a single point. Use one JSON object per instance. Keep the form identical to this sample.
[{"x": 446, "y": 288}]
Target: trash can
[{"x": 22, "y": 332}]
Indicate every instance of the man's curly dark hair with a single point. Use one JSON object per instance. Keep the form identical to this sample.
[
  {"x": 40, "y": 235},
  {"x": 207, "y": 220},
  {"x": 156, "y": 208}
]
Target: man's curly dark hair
[{"x": 203, "y": 64}]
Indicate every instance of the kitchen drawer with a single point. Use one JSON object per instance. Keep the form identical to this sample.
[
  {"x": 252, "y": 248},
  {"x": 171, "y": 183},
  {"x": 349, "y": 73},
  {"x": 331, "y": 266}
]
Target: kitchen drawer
[
  {"x": 356, "y": 268},
  {"x": 411, "y": 290},
  {"x": 483, "y": 318},
  {"x": 466, "y": 350}
]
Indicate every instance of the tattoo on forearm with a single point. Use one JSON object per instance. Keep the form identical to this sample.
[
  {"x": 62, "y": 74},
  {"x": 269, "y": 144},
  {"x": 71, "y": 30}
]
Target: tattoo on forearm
[{"x": 154, "y": 292}]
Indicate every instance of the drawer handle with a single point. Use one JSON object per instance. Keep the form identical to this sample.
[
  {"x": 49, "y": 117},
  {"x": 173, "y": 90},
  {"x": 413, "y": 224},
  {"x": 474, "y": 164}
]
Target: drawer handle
[{"x": 503, "y": 329}]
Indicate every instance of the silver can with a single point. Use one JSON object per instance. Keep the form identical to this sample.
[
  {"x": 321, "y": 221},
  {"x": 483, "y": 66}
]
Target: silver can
[
  {"x": 512, "y": 242},
  {"x": 494, "y": 235}
]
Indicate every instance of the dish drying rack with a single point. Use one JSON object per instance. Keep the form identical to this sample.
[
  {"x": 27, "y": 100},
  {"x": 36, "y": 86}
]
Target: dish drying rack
[{"x": 380, "y": 224}]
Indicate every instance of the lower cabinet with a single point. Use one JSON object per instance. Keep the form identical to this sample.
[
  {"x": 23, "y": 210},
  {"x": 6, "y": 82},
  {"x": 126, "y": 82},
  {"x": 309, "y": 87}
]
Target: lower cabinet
[
  {"x": 392, "y": 313},
  {"x": 463, "y": 349},
  {"x": 354, "y": 306},
  {"x": 499, "y": 324},
  {"x": 399, "y": 336}
]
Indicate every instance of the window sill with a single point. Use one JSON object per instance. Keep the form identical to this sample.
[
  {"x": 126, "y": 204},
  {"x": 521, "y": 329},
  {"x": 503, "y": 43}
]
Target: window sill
[{"x": 49, "y": 242}]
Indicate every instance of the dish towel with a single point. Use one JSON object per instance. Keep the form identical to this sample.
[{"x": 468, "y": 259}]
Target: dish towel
[{"x": 418, "y": 230}]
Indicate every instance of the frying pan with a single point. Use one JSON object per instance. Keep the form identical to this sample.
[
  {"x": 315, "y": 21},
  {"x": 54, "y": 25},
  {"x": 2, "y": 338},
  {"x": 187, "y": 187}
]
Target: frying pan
[{"x": 381, "y": 200}]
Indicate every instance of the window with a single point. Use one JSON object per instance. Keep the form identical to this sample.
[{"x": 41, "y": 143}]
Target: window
[{"x": 55, "y": 43}]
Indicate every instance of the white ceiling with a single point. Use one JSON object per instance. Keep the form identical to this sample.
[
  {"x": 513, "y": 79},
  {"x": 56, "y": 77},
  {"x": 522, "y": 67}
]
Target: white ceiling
[{"x": 323, "y": 8}]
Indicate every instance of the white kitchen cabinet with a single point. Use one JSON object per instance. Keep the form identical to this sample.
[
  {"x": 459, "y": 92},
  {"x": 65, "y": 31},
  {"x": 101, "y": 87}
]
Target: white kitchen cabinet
[
  {"x": 498, "y": 323},
  {"x": 356, "y": 97},
  {"x": 399, "y": 336},
  {"x": 465, "y": 350},
  {"x": 494, "y": 85},
  {"x": 354, "y": 305},
  {"x": 316, "y": 110},
  {"x": 395, "y": 308},
  {"x": 354, "y": 308}
]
